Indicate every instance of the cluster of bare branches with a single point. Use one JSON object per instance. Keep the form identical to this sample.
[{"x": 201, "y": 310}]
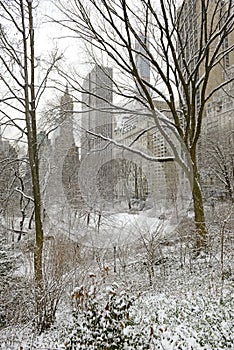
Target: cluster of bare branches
[{"x": 184, "y": 48}]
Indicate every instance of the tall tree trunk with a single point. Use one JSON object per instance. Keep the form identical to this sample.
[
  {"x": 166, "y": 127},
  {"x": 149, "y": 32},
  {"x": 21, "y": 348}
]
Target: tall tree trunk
[
  {"x": 30, "y": 118},
  {"x": 38, "y": 251},
  {"x": 200, "y": 224},
  {"x": 199, "y": 213},
  {"x": 35, "y": 165},
  {"x": 38, "y": 275}
]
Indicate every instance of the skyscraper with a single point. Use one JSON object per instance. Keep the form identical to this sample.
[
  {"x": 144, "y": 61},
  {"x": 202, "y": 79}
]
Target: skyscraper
[
  {"x": 142, "y": 63},
  {"x": 96, "y": 117},
  {"x": 55, "y": 155}
]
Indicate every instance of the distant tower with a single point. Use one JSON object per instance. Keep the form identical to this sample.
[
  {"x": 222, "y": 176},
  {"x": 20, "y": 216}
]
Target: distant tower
[
  {"x": 96, "y": 98},
  {"x": 142, "y": 64},
  {"x": 64, "y": 131},
  {"x": 63, "y": 141},
  {"x": 66, "y": 104}
]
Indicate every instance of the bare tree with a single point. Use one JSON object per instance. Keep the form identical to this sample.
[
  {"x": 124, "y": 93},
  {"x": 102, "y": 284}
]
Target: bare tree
[
  {"x": 185, "y": 47},
  {"x": 19, "y": 103}
]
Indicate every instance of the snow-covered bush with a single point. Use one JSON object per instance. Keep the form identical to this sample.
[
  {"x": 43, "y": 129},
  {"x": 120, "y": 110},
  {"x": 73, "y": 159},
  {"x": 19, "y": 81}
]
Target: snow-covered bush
[
  {"x": 105, "y": 323},
  {"x": 177, "y": 320}
]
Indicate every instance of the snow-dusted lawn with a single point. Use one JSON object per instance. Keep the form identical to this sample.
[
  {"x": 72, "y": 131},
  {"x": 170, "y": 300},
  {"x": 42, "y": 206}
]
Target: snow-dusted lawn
[
  {"x": 186, "y": 318},
  {"x": 187, "y": 303}
]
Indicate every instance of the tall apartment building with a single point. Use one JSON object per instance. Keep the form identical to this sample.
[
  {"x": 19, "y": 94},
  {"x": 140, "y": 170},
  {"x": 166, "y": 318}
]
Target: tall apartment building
[
  {"x": 96, "y": 117},
  {"x": 191, "y": 38},
  {"x": 220, "y": 113},
  {"x": 157, "y": 181},
  {"x": 218, "y": 121}
]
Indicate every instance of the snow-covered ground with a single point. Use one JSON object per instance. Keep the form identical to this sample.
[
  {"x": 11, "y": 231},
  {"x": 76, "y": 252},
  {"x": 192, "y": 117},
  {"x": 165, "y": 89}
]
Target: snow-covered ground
[
  {"x": 181, "y": 301},
  {"x": 184, "y": 319}
]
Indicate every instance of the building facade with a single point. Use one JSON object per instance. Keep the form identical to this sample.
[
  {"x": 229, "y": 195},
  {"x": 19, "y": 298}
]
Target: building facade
[
  {"x": 192, "y": 39},
  {"x": 157, "y": 181},
  {"x": 220, "y": 112}
]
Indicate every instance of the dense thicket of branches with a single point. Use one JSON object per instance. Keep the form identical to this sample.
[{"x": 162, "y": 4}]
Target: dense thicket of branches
[{"x": 186, "y": 47}]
